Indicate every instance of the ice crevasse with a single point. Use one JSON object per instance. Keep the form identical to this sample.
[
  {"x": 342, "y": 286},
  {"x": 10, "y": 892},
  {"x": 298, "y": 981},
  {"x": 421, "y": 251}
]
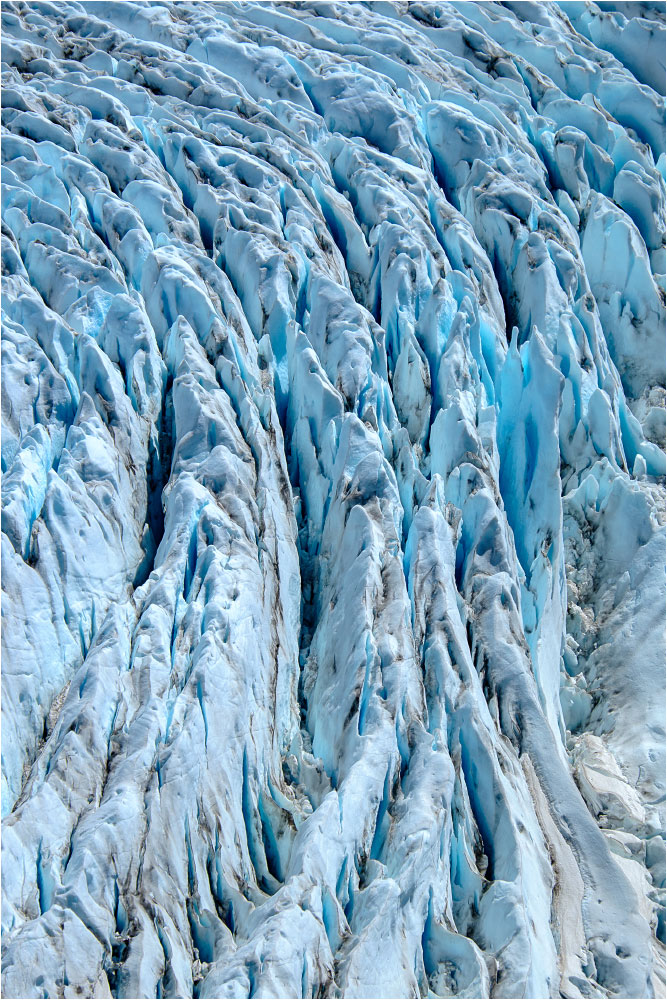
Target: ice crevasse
[{"x": 333, "y": 533}]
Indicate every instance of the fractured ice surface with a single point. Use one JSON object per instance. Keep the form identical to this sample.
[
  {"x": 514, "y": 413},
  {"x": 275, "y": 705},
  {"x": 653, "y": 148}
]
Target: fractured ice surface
[{"x": 333, "y": 499}]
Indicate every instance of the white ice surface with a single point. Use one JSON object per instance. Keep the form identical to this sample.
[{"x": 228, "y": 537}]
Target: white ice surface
[{"x": 333, "y": 383}]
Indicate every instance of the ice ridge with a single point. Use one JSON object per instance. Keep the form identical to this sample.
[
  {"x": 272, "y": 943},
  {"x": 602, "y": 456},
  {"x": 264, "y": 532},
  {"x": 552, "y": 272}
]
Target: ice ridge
[{"x": 333, "y": 533}]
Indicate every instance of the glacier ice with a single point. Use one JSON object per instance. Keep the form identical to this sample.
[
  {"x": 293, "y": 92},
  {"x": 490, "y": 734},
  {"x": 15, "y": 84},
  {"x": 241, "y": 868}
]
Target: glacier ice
[{"x": 333, "y": 532}]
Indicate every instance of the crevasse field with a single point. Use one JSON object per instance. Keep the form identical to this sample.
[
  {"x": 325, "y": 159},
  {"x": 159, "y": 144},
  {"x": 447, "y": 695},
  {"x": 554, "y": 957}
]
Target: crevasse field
[{"x": 333, "y": 551}]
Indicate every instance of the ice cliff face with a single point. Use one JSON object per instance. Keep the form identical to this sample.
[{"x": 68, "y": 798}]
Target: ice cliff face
[{"x": 333, "y": 525}]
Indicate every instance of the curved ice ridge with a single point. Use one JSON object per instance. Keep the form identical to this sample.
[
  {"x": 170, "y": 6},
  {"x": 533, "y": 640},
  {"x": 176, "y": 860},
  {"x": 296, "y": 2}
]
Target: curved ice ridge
[{"x": 333, "y": 499}]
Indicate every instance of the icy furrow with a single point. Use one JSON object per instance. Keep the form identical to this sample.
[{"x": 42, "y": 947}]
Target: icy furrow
[{"x": 333, "y": 499}]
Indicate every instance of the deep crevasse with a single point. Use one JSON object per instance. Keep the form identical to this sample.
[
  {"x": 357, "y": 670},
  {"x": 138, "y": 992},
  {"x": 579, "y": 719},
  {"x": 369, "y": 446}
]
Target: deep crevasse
[{"x": 333, "y": 499}]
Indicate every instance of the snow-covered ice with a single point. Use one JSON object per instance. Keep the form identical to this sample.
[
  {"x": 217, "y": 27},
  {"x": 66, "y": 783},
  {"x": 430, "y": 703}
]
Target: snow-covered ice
[{"x": 333, "y": 531}]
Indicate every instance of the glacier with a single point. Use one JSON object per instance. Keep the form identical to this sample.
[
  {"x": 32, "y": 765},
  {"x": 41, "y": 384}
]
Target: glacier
[{"x": 333, "y": 503}]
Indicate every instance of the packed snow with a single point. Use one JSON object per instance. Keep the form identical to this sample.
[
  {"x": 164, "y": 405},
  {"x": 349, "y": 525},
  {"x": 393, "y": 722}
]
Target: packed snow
[{"x": 333, "y": 532}]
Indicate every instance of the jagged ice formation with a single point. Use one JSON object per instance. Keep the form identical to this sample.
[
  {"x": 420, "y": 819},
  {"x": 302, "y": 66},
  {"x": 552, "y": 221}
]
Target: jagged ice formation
[{"x": 333, "y": 499}]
